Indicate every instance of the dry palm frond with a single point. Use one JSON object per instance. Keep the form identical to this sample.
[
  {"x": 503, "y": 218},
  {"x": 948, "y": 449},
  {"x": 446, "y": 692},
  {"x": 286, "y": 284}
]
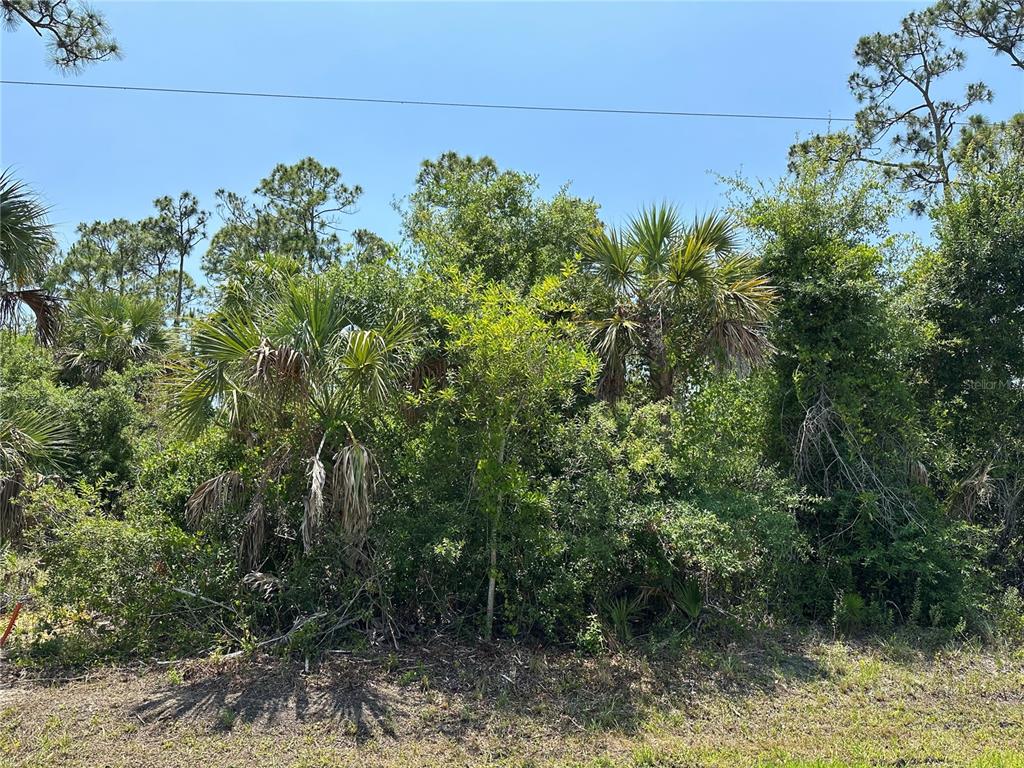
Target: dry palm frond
[
  {"x": 264, "y": 583},
  {"x": 214, "y": 495},
  {"x": 976, "y": 491},
  {"x": 262, "y": 360},
  {"x": 738, "y": 344},
  {"x": 431, "y": 368},
  {"x": 353, "y": 479},
  {"x": 11, "y": 512},
  {"x": 917, "y": 472},
  {"x": 611, "y": 384},
  {"x": 313, "y": 504},
  {"x": 43, "y": 305},
  {"x": 250, "y": 546},
  {"x": 275, "y": 364}
]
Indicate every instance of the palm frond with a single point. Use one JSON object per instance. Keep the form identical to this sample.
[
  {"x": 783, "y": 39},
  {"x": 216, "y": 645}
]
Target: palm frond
[
  {"x": 250, "y": 545},
  {"x": 194, "y": 392},
  {"x": 614, "y": 261},
  {"x": 227, "y": 338},
  {"x": 309, "y": 317},
  {"x": 32, "y": 440},
  {"x": 26, "y": 237},
  {"x": 743, "y": 345},
  {"x": 109, "y": 330},
  {"x": 744, "y": 292},
  {"x": 365, "y": 366},
  {"x": 613, "y": 337},
  {"x": 399, "y": 334},
  {"x": 653, "y": 233},
  {"x": 688, "y": 269},
  {"x": 373, "y": 361},
  {"x": 353, "y": 479},
  {"x": 313, "y": 504},
  {"x": 43, "y": 305},
  {"x": 717, "y": 232},
  {"x": 214, "y": 495}
]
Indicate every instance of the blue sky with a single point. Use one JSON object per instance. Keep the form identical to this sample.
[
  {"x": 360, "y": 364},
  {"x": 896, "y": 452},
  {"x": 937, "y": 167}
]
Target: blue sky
[{"x": 100, "y": 155}]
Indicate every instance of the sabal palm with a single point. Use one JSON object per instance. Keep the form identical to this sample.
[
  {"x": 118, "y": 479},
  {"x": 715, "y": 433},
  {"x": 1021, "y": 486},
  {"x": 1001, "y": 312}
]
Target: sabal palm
[
  {"x": 107, "y": 331},
  {"x": 26, "y": 240},
  {"x": 30, "y": 442},
  {"x": 675, "y": 293},
  {"x": 296, "y": 370}
]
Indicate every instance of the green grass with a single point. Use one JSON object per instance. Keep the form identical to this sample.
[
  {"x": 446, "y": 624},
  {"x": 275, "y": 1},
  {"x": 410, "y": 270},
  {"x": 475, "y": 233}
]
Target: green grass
[{"x": 799, "y": 703}]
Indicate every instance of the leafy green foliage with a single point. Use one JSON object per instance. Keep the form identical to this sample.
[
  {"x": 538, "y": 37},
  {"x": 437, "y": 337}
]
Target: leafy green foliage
[
  {"x": 798, "y": 415},
  {"x": 969, "y": 293},
  {"x": 130, "y": 585},
  {"x": 846, "y": 419},
  {"x": 466, "y": 213}
]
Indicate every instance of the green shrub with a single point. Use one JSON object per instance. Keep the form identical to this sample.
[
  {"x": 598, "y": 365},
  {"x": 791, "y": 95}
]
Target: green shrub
[
  {"x": 1009, "y": 617},
  {"x": 134, "y": 585}
]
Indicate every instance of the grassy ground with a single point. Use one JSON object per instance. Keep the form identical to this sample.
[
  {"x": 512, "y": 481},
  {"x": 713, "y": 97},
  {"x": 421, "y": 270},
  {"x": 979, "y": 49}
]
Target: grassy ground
[{"x": 789, "y": 702}]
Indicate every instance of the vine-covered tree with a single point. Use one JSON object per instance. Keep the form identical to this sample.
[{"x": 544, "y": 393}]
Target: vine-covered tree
[{"x": 970, "y": 291}]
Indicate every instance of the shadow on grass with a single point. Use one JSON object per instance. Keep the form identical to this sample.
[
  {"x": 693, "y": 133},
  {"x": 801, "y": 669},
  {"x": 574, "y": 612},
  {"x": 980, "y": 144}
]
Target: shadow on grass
[
  {"x": 276, "y": 695},
  {"x": 454, "y": 690}
]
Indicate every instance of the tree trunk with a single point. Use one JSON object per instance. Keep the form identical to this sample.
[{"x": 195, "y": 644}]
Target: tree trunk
[
  {"x": 656, "y": 353},
  {"x": 491, "y": 578},
  {"x": 492, "y": 545},
  {"x": 181, "y": 280}
]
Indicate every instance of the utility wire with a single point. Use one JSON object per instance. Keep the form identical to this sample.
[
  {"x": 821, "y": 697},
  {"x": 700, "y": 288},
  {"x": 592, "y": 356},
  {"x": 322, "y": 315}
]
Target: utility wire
[{"x": 421, "y": 103}]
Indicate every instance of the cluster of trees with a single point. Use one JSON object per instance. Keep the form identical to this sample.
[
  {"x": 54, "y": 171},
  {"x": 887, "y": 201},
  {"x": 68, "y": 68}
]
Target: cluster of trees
[{"x": 522, "y": 421}]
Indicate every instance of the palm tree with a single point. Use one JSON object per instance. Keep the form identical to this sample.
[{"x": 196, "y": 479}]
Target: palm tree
[
  {"x": 26, "y": 240},
  {"x": 30, "y": 443},
  {"x": 296, "y": 376},
  {"x": 108, "y": 331},
  {"x": 672, "y": 295}
]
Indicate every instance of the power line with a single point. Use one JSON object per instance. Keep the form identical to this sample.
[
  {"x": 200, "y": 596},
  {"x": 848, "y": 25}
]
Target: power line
[{"x": 422, "y": 103}]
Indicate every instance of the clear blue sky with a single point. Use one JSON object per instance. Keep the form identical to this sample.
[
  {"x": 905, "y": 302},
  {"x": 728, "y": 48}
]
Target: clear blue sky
[{"x": 99, "y": 155}]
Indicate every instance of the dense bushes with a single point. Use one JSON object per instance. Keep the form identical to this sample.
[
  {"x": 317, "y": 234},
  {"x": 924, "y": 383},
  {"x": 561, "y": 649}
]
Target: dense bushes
[
  {"x": 845, "y": 422},
  {"x": 117, "y": 585},
  {"x": 495, "y": 435}
]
